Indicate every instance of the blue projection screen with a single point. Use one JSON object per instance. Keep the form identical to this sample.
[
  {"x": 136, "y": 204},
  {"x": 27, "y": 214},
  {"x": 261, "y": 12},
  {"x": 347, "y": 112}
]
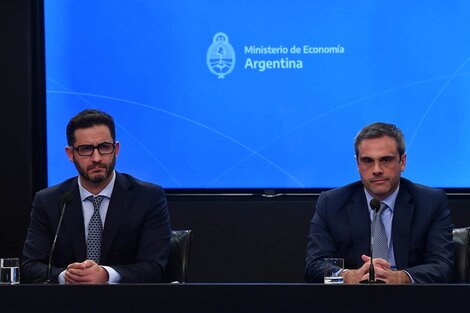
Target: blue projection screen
[{"x": 261, "y": 94}]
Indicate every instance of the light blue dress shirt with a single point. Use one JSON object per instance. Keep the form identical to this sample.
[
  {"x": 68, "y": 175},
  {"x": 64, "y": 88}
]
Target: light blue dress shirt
[{"x": 387, "y": 219}]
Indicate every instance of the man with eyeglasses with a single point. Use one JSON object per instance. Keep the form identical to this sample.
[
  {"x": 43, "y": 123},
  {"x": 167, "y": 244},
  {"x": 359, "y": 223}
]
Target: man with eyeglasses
[
  {"x": 413, "y": 224},
  {"x": 115, "y": 228}
]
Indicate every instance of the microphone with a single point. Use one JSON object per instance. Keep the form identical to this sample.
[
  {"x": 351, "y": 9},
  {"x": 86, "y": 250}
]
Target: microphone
[
  {"x": 67, "y": 198},
  {"x": 375, "y": 205}
]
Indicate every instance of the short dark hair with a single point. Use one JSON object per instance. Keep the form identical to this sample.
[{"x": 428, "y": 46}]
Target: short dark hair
[
  {"x": 88, "y": 118},
  {"x": 378, "y": 130}
]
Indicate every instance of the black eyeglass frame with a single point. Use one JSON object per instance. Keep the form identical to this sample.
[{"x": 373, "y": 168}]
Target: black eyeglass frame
[{"x": 97, "y": 147}]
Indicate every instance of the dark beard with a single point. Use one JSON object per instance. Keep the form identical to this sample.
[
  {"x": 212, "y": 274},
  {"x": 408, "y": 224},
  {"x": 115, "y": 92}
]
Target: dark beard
[{"x": 97, "y": 179}]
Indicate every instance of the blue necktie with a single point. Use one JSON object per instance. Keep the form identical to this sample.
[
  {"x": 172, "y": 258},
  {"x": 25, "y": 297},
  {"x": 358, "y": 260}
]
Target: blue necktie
[
  {"x": 95, "y": 229},
  {"x": 380, "y": 243}
]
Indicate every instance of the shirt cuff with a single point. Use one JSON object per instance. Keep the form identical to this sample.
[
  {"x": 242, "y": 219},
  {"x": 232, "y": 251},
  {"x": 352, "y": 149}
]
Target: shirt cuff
[
  {"x": 411, "y": 277},
  {"x": 114, "y": 277},
  {"x": 61, "y": 277}
]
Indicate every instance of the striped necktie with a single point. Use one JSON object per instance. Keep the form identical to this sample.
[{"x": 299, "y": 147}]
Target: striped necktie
[{"x": 380, "y": 243}]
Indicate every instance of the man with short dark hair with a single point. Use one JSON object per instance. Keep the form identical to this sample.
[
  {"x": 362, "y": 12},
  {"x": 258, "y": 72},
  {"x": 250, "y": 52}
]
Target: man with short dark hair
[
  {"x": 115, "y": 228},
  {"x": 416, "y": 221}
]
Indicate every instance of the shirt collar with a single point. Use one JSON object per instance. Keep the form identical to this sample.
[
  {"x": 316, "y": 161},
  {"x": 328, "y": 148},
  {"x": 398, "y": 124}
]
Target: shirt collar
[
  {"x": 107, "y": 191},
  {"x": 390, "y": 200}
]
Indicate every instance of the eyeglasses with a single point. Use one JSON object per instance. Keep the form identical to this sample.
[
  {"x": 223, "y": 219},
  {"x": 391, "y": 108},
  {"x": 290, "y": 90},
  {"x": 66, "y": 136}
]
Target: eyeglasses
[{"x": 87, "y": 150}]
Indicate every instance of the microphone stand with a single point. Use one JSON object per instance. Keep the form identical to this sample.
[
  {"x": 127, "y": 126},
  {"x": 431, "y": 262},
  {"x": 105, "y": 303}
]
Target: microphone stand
[{"x": 67, "y": 198}]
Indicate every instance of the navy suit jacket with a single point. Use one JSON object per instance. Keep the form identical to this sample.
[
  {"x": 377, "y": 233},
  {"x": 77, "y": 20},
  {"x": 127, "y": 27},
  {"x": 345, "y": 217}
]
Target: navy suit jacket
[
  {"x": 421, "y": 232},
  {"x": 135, "y": 239}
]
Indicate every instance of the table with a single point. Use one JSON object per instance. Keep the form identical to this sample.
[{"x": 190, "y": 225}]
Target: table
[{"x": 244, "y": 298}]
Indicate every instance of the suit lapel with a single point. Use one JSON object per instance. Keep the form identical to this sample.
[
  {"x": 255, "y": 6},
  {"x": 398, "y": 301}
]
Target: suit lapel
[
  {"x": 359, "y": 223},
  {"x": 117, "y": 210},
  {"x": 401, "y": 226},
  {"x": 74, "y": 224}
]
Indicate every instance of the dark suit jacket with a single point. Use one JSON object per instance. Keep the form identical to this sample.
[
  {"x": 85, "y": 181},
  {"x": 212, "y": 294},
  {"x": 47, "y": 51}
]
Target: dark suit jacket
[
  {"x": 421, "y": 232},
  {"x": 135, "y": 240}
]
